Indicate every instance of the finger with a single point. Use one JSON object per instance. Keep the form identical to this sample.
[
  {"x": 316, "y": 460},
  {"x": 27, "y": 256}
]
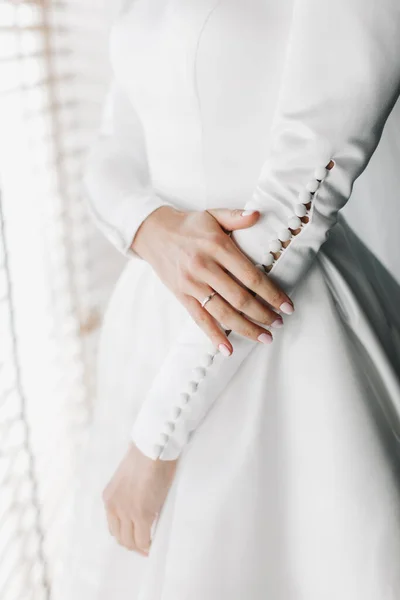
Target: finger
[
  {"x": 207, "y": 323},
  {"x": 143, "y": 535},
  {"x": 239, "y": 297},
  {"x": 224, "y": 313},
  {"x": 237, "y": 218},
  {"x": 221, "y": 310},
  {"x": 113, "y": 523},
  {"x": 241, "y": 267},
  {"x": 126, "y": 535}
]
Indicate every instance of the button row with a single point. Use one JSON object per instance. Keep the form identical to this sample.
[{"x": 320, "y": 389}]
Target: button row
[
  {"x": 184, "y": 398},
  {"x": 294, "y": 222}
]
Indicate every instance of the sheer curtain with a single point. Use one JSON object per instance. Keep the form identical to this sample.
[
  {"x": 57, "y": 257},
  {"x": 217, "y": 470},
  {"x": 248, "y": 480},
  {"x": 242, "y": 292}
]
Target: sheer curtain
[{"x": 55, "y": 273}]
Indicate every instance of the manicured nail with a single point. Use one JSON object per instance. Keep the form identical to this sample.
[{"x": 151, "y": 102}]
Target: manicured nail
[
  {"x": 224, "y": 350},
  {"x": 277, "y": 323},
  {"x": 265, "y": 338},
  {"x": 247, "y": 213},
  {"x": 286, "y": 308}
]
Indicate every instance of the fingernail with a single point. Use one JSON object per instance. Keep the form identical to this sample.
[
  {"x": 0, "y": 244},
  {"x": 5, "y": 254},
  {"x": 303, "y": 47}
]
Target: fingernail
[
  {"x": 247, "y": 213},
  {"x": 286, "y": 308},
  {"x": 277, "y": 323},
  {"x": 265, "y": 338},
  {"x": 224, "y": 350}
]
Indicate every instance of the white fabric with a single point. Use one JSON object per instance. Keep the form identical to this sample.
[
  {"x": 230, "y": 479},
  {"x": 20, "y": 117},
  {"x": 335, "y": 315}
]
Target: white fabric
[
  {"x": 117, "y": 175},
  {"x": 289, "y": 487},
  {"x": 316, "y": 111}
]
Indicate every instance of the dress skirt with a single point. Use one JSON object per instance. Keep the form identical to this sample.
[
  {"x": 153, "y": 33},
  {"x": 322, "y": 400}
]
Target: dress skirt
[{"x": 290, "y": 487}]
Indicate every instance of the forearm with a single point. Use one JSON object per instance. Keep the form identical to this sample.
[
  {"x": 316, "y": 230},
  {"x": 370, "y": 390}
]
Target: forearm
[{"x": 341, "y": 80}]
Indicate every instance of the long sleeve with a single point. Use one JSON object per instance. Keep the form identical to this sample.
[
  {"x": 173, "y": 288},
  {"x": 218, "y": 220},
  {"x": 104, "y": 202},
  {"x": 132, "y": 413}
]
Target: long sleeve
[
  {"x": 117, "y": 182},
  {"x": 340, "y": 82}
]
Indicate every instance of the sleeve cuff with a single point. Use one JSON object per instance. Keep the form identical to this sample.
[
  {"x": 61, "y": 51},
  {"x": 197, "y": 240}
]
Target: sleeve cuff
[
  {"x": 122, "y": 229},
  {"x": 130, "y": 223},
  {"x": 192, "y": 376}
]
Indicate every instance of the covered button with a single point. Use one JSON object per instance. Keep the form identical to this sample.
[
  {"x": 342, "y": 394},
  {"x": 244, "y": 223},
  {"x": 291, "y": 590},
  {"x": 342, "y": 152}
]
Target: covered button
[
  {"x": 300, "y": 210},
  {"x": 320, "y": 173},
  {"x": 169, "y": 428},
  {"x": 199, "y": 372},
  {"x": 176, "y": 411},
  {"x": 294, "y": 223},
  {"x": 184, "y": 398},
  {"x": 312, "y": 186},
  {"x": 208, "y": 360},
  {"x": 305, "y": 196},
  {"x": 275, "y": 246},
  {"x": 285, "y": 235},
  {"x": 268, "y": 259},
  {"x": 192, "y": 385}
]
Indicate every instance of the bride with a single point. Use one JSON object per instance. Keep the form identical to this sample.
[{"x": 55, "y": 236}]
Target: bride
[{"x": 245, "y": 441}]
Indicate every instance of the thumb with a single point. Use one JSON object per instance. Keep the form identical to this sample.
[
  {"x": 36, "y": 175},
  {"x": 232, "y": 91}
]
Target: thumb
[{"x": 236, "y": 218}]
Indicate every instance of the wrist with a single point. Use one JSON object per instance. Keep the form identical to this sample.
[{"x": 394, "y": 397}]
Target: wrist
[
  {"x": 135, "y": 455},
  {"x": 156, "y": 226}
]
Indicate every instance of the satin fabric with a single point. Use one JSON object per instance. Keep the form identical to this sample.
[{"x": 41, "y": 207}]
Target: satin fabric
[
  {"x": 290, "y": 487},
  {"x": 186, "y": 126}
]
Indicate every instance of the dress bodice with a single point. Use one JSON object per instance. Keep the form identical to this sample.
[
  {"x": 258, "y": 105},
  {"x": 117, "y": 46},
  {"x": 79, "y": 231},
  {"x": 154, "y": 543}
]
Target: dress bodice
[{"x": 203, "y": 76}]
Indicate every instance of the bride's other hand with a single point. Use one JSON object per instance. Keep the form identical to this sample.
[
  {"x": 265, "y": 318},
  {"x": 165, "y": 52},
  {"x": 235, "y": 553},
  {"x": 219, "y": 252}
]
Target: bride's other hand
[
  {"x": 134, "y": 496},
  {"x": 193, "y": 255}
]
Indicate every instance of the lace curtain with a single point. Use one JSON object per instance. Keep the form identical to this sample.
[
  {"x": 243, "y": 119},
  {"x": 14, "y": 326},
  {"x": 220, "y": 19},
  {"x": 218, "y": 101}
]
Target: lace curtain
[{"x": 55, "y": 273}]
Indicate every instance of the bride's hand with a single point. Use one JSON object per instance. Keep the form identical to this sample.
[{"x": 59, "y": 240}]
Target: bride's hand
[
  {"x": 193, "y": 255},
  {"x": 134, "y": 496}
]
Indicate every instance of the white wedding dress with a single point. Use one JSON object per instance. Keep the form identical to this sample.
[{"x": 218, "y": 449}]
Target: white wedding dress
[{"x": 290, "y": 486}]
